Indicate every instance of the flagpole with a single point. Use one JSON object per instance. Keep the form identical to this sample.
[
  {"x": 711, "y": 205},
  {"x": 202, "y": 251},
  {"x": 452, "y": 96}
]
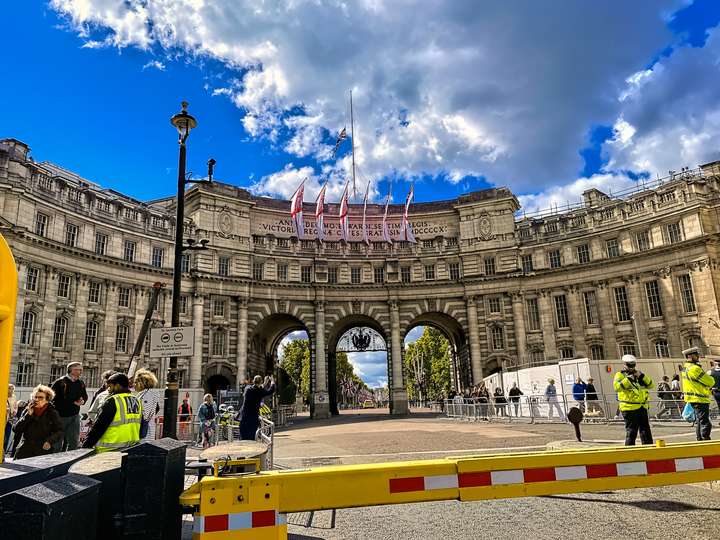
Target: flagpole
[{"x": 352, "y": 141}]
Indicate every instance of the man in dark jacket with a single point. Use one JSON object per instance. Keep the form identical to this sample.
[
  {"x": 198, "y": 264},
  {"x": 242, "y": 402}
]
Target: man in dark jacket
[
  {"x": 250, "y": 413},
  {"x": 591, "y": 397},
  {"x": 70, "y": 395}
]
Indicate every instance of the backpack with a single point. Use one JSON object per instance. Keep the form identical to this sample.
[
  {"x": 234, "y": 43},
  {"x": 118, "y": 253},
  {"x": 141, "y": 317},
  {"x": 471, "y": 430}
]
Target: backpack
[{"x": 209, "y": 411}]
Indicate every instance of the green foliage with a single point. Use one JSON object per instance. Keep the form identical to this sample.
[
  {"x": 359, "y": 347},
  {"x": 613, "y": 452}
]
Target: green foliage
[
  {"x": 287, "y": 387},
  {"x": 434, "y": 351}
]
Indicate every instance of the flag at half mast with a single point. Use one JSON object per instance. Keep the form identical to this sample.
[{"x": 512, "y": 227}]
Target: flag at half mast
[
  {"x": 364, "y": 228},
  {"x": 344, "y": 225},
  {"x": 406, "y": 232},
  {"x": 296, "y": 209},
  {"x": 385, "y": 228},
  {"x": 319, "y": 211}
]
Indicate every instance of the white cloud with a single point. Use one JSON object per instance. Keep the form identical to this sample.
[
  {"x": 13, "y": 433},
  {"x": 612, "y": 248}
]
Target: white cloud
[
  {"x": 371, "y": 367},
  {"x": 154, "y": 64},
  {"x": 413, "y": 335},
  {"x": 454, "y": 88},
  {"x": 292, "y": 336}
]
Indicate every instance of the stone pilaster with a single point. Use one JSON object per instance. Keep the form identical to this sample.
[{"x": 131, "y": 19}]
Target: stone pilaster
[
  {"x": 242, "y": 333},
  {"x": 196, "y": 360},
  {"x": 547, "y": 316},
  {"x": 76, "y": 332},
  {"x": 519, "y": 325},
  {"x": 636, "y": 298},
  {"x": 575, "y": 309},
  {"x": 321, "y": 398},
  {"x": 107, "y": 351},
  {"x": 398, "y": 393},
  {"x": 475, "y": 354},
  {"x": 46, "y": 322}
]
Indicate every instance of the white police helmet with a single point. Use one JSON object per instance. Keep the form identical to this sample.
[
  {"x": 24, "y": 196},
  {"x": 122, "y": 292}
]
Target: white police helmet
[{"x": 629, "y": 360}]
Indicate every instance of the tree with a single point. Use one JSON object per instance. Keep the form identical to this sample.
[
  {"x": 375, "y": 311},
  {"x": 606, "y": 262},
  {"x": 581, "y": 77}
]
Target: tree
[
  {"x": 347, "y": 381},
  {"x": 296, "y": 363},
  {"x": 431, "y": 352}
]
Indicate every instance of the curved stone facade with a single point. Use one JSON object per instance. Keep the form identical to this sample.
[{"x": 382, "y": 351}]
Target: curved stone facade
[{"x": 635, "y": 273}]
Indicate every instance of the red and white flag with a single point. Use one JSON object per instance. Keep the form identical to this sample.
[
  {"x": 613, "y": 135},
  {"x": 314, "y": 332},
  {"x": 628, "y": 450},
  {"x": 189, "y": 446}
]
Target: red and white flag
[
  {"x": 385, "y": 228},
  {"x": 365, "y": 200},
  {"x": 344, "y": 225},
  {"x": 319, "y": 211},
  {"x": 406, "y": 232},
  {"x": 296, "y": 209}
]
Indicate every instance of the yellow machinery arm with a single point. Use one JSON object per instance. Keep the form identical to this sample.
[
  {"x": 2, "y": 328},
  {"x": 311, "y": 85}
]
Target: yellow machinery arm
[{"x": 8, "y": 301}]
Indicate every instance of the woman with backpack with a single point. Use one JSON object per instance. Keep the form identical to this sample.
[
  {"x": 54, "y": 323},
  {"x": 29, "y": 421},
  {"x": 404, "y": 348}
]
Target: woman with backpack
[{"x": 206, "y": 416}]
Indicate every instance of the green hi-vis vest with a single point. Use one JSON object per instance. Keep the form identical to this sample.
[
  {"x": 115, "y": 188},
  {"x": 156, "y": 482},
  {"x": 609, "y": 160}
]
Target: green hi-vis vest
[
  {"x": 632, "y": 394},
  {"x": 696, "y": 384},
  {"x": 125, "y": 428}
]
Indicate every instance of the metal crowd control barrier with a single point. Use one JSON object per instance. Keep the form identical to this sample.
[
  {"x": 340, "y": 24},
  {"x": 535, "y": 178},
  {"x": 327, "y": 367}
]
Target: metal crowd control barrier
[
  {"x": 253, "y": 505},
  {"x": 8, "y": 302}
]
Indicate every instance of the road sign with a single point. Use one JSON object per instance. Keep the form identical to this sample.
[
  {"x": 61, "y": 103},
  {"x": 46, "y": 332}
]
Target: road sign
[{"x": 178, "y": 341}]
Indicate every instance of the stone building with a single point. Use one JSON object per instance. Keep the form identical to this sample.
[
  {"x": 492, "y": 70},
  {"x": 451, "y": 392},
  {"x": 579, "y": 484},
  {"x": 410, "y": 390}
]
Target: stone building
[{"x": 616, "y": 274}]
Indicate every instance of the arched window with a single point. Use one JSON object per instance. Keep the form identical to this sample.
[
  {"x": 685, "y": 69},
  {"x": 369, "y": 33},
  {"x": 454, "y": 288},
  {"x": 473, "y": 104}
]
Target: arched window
[
  {"x": 121, "y": 338},
  {"x": 218, "y": 342},
  {"x": 661, "y": 349},
  {"x": 59, "y": 332},
  {"x": 597, "y": 352},
  {"x": 567, "y": 353},
  {"x": 627, "y": 348},
  {"x": 27, "y": 328},
  {"x": 91, "y": 335},
  {"x": 498, "y": 338}
]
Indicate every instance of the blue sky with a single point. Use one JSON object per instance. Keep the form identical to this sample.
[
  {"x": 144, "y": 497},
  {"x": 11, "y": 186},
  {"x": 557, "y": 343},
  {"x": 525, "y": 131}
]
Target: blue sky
[{"x": 547, "y": 100}]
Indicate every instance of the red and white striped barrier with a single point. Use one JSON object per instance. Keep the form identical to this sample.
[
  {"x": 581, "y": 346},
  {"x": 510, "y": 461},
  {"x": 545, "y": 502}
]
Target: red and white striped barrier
[{"x": 238, "y": 522}]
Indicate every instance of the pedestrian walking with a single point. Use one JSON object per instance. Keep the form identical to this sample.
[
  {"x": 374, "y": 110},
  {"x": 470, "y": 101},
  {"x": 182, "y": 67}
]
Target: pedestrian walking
[
  {"x": 715, "y": 374},
  {"x": 143, "y": 383},
  {"x": 250, "y": 412},
  {"x": 99, "y": 397},
  {"x": 696, "y": 387},
  {"x": 483, "y": 398},
  {"x": 10, "y": 420},
  {"x": 514, "y": 396},
  {"x": 185, "y": 416},
  {"x": 207, "y": 414},
  {"x": 632, "y": 386},
  {"x": 592, "y": 402},
  {"x": 70, "y": 395},
  {"x": 665, "y": 396},
  {"x": 40, "y": 426},
  {"x": 500, "y": 402},
  {"x": 552, "y": 399},
  {"x": 118, "y": 424},
  {"x": 578, "y": 393},
  {"x": 677, "y": 397}
]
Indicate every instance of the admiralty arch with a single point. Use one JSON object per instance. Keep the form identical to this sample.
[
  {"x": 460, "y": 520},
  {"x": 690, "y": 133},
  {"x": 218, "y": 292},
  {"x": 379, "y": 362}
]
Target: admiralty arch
[{"x": 631, "y": 272}]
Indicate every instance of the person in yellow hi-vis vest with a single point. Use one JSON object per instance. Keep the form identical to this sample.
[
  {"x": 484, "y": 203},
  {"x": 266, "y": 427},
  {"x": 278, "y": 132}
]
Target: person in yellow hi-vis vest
[
  {"x": 696, "y": 387},
  {"x": 118, "y": 424},
  {"x": 632, "y": 386}
]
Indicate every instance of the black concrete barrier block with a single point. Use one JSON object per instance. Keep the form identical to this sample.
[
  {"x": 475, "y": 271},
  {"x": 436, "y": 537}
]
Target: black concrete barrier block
[
  {"x": 63, "y": 508},
  {"x": 29, "y": 471},
  {"x": 154, "y": 474}
]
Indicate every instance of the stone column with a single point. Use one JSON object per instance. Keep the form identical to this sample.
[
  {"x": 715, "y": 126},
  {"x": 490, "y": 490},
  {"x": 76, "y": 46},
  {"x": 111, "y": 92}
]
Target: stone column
[
  {"x": 321, "y": 398},
  {"x": 398, "y": 394},
  {"x": 670, "y": 311},
  {"x": 547, "y": 315},
  {"x": 107, "y": 351},
  {"x": 76, "y": 332},
  {"x": 606, "y": 314},
  {"x": 196, "y": 360},
  {"x": 242, "y": 342},
  {"x": 475, "y": 358},
  {"x": 636, "y": 298},
  {"x": 45, "y": 323},
  {"x": 519, "y": 325},
  {"x": 577, "y": 322},
  {"x": 20, "y": 351}
]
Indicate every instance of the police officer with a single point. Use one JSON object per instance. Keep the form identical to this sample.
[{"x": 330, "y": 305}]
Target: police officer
[
  {"x": 118, "y": 424},
  {"x": 696, "y": 387},
  {"x": 632, "y": 386}
]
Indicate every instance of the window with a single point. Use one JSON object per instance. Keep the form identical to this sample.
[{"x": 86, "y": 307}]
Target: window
[
  {"x": 282, "y": 242},
  {"x": 427, "y": 244},
  {"x": 91, "y": 333},
  {"x": 532, "y": 313},
  {"x": 31, "y": 281},
  {"x": 332, "y": 274},
  {"x": 597, "y": 352},
  {"x": 561, "y": 312},
  {"x": 554, "y": 257},
  {"x": 130, "y": 214},
  {"x": 27, "y": 328},
  {"x": 661, "y": 349},
  {"x": 41, "y": 221},
  {"x": 621, "y": 304},
  {"x": 103, "y": 205},
  {"x": 590, "y": 300},
  {"x": 258, "y": 271},
  {"x": 627, "y": 348},
  {"x": 355, "y": 275},
  {"x": 613, "y": 248},
  {"x": 527, "y": 263},
  {"x": 306, "y": 274},
  {"x": 674, "y": 233},
  {"x": 224, "y": 267},
  {"x": 57, "y": 371},
  {"x": 451, "y": 242},
  {"x": 686, "y": 293},
  {"x": 94, "y": 292},
  {"x": 218, "y": 308},
  {"x": 101, "y": 241},
  {"x": 379, "y": 274},
  {"x": 183, "y": 305},
  {"x": 124, "y": 297},
  {"x": 495, "y": 304},
  {"x": 218, "y": 343},
  {"x": 566, "y": 353},
  {"x": 498, "y": 338},
  {"x": 158, "y": 254},
  {"x": 583, "y": 254},
  {"x": 185, "y": 263},
  {"x": 642, "y": 239},
  {"x": 158, "y": 222},
  {"x": 71, "y": 234},
  {"x": 90, "y": 377},
  {"x": 25, "y": 374},
  {"x": 405, "y": 274},
  {"x": 537, "y": 358},
  {"x": 129, "y": 251},
  {"x": 551, "y": 227},
  {"x": 489, "y": 266},
  {"x": 63, "y": 286},
  {"x": 121, "y": 338},
  {"x": 429, "y": 271},
  {"x": 653, "y": 297},
  {"x": 282, "y": 272},
  {"x": 454, "y": 271},
  {"x": 59, "y": 332}
]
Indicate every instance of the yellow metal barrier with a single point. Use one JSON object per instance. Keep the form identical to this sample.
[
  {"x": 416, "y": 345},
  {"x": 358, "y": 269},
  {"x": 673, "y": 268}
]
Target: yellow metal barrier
[
  {"x": 8, "y": 301},
  {"x": 253, "y": 505}
]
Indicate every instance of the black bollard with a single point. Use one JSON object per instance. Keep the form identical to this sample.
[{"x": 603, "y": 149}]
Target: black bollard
[
  {"x": 58, "y": 509},
  {"x": 26, "y": 472},
  {"x": 575, "y": 416}
]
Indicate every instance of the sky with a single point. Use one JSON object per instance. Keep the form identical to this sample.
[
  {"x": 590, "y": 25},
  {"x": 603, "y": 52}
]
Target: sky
[{"x": 546, "y": 98}]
